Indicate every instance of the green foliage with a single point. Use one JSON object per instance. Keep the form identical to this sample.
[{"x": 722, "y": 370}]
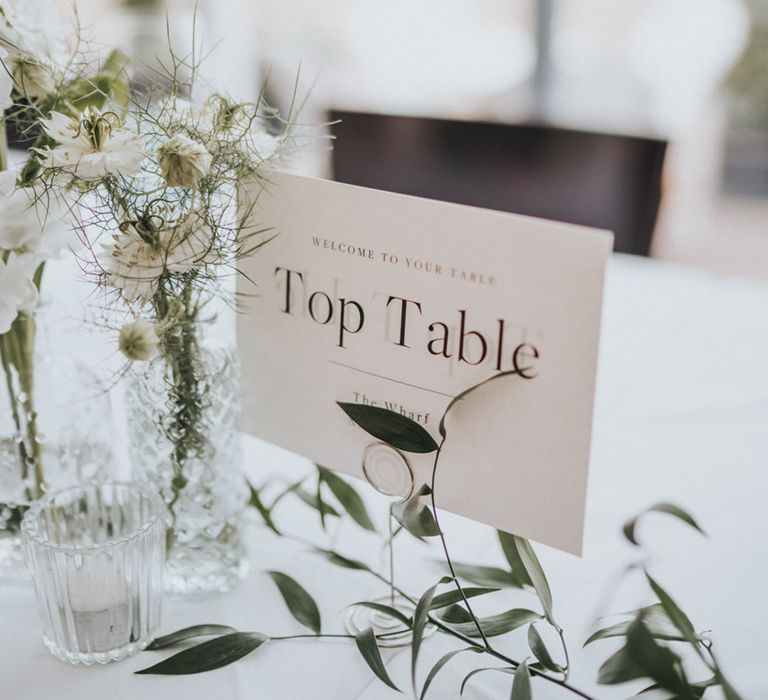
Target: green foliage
[
  {"x": 501, "y": 623},
  {"x": 369, "y": 649},
  {"x": 386, "y": 610},
  {"x": 265, "y": 513},
  {"x": 415, "y": 515},
  {"x": 420, "y": 618},
  {"x": 347, "y": 496},
  {"x": 187, "y": 633},
  {"x": 668, "y": 509},
  {"x": 651, "y": 631},
  {"x": 521, "y": 685},
  {"x": 540, "y": 651},
  {"x": 445, "y": 599},
  {"x": 301, "y": 605},
  {"x": 209, "y": 655},
  {"x": 393, "y": 428},
  {"x": 441, "y": 662},
  {"x": 486, "y": 575},
  {"x": 647, "y": 633}
]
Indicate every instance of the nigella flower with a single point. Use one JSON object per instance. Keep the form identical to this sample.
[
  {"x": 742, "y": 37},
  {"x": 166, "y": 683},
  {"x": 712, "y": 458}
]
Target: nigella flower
[
  {"x": 92, "y": 146},
  {"x": 33, "y": 78},
  {"x": 138, "y": 340},
  {"x": 143, "y": 252},
  {"x": 29, "y": 223},
  {"x": 183, "y": 161}
]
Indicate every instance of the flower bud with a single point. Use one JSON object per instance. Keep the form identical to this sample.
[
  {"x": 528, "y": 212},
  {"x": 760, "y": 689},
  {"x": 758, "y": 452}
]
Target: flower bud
[
  {"x": 138, "y": 340},
  {"x": 32, "y": 78},
  {"x": 183, "y": 161}
]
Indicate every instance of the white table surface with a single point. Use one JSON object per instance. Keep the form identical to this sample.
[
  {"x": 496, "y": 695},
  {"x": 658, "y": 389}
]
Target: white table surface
[{"x": 681, "y": 415}]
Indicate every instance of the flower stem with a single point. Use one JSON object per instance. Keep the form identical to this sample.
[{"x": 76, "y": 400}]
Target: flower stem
[
  {"x": 3, "y": 145},
  {"x": 181, "y": 352},
  {"x": 17, "y": 347}
]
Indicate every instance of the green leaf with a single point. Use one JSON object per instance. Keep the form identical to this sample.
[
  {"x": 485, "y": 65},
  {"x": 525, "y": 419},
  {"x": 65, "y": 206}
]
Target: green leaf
[
  {"x": 473, "y": 673},
  {"x": 366, "y": 643},
  {"x": 264, "y": 512},
  {"x": 188, "y": 633},
  {"x": 314, "y": 501},
  {"x": 678, "y": 618},
  {"x": 209, "y": 655},
  {"x": 620, "y": 629},
  {"x": 521, "y": 685},
  {"x": 655, "y": 619},
  {"x": 339, "y": 560},
  {"x": 729, "y": 692},
  {"x": 498, "y": 624},
  {"x": 540, "y": 651},
  {"x": 456, "y": 613},
  {"x": 619, "y": 668},
  {"x": 321, "y": 507},
  {"x": 445, "y": 599},
  {"x": 348, "y": 497},
  {"x": 114, "y": 69},
  {"x": 420, "y": 617},
  {"x": 393, "y": 428},
  {"x": 668, "y": 509},
  {"x": 536, "y": 575},
  {"x": 486, "y": 575},
  {"x": 290, "y": 488},
  {"x": 299, "y": 602},
  {"x": 657, "y": 662},
  {"x": 385, "y": 609},
  {"x": 444, "y": 659},
  {"x": 512, "y": 556},
  {"x": 416, "y": 516}
]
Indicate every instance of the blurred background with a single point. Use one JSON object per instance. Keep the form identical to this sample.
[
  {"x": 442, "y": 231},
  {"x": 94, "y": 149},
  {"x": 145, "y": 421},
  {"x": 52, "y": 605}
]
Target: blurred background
[{"x": 649, "y": 117}]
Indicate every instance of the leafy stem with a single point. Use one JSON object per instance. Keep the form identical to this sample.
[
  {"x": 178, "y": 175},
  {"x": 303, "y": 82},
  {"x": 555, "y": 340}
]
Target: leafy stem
[
  {"x": 484, "y": 646},
  {"x": 444, "y": 544}
]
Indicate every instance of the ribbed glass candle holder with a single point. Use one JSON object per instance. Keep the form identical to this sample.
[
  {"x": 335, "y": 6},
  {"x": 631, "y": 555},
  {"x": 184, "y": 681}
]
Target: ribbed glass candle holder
[{"x": 96, "y": 554}]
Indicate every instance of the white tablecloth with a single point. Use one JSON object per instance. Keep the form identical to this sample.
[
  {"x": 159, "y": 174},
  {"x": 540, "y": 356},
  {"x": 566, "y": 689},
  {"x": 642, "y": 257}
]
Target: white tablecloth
[{"x": 681, "y": 415}]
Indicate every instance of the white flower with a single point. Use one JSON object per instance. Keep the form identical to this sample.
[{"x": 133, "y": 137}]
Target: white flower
[
  {"x": 6, "y": 82},
  {"x": 138, "y": 340},
  {"x": 134, "y": 263},
  {"x": 92, "y": 146},
  {"x": 17, "y": 288},
  {"x": 33, "y": 78},
  {"x": 28, "y": 222},
  {"x": 183, "y": 161}
]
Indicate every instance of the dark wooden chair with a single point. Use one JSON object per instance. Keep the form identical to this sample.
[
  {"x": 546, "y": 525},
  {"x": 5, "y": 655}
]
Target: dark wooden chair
[{"x": 604, "y": 180}]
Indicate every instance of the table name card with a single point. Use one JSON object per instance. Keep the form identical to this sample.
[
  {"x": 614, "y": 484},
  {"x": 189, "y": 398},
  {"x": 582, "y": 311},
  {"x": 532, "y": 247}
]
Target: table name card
[{"x": 371, "y": 298}]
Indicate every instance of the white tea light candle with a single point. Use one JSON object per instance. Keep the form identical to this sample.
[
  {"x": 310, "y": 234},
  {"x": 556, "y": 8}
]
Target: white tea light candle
[{"x": 96, "y": 556}]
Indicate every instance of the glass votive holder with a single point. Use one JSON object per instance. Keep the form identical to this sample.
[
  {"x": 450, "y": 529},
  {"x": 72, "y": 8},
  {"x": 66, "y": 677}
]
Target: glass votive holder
[{"x": 96, "y": 554}]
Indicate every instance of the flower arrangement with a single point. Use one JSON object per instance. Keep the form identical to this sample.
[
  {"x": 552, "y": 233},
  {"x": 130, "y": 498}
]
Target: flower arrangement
[
  {"x": 43, "y": 72},
  {"x": 153, "y": 182},
  {"x": 148, "y": 182}
]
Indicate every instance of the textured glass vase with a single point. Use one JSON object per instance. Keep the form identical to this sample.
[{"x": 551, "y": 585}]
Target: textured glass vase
[
  {"x": 189, "y": 450},
  {"x": 96, "y": 555},
  {"x": 64, "y": 439}
]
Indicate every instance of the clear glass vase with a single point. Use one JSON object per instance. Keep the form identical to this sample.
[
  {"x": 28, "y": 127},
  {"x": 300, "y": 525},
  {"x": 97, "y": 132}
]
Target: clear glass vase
[
  {"x": 183, "y": 433},
  {"x": 56, "y": 435}
]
